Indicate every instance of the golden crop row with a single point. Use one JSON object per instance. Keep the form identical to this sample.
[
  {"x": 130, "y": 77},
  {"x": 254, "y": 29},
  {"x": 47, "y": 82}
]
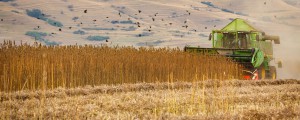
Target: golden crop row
[{"x": 33, "y": 67}]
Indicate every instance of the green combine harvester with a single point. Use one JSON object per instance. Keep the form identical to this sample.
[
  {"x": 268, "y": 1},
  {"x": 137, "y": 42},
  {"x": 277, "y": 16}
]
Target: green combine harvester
[{"x": 247, "y": 46}]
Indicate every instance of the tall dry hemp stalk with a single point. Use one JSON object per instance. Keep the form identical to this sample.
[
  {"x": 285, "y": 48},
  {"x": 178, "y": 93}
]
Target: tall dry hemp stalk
[{"x": 36, "y": 66}]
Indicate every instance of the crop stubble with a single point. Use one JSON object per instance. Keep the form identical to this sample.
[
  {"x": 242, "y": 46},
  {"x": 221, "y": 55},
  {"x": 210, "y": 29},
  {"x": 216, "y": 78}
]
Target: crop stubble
[{"x": 185, "y": 100}]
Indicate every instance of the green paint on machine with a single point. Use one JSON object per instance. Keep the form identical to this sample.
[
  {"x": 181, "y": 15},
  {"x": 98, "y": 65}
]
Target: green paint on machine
[{"x": 246, "y": 45}]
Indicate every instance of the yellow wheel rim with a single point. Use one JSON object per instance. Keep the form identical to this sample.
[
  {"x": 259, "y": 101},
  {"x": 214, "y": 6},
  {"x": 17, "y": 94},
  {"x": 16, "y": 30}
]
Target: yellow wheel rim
[
  {"x": 263, "y": 73},
  {"x": 273, "y": 76}
]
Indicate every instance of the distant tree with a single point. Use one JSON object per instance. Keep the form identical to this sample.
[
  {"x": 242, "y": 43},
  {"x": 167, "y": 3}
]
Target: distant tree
[
  {"x": 131, "y": 28},
  {"x": 54, "y": 22},
  {"x": 71, "y": 7},
  {"x": 144, "y": 34},
  {"x": 7, "y": 0},
  {"x": 14, "y": 4},
  {"x": 75, "y": 18},
  {"x": 79, "y": 32},
  {"x": 36, "y": 13},
  {"x": 97, "y": 38},
  {"x": 36, "y": 35},
  {"x": 39, "y": 36}
]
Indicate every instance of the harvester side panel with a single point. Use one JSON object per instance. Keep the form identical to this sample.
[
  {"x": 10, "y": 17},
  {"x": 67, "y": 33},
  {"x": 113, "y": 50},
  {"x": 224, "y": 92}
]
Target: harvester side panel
[{"x": 265, "y": 46}]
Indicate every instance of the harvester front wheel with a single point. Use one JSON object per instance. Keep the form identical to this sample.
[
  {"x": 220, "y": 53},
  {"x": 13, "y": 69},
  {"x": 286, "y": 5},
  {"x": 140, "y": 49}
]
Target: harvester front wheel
[{"x": 261, "y": 73}]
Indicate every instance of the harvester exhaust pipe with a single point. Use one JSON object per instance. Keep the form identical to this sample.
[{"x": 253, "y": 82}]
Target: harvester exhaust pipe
[{"x": 276, "y": 39}]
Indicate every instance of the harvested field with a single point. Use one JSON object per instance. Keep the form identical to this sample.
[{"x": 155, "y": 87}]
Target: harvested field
[{"x": 211, "y": 99}]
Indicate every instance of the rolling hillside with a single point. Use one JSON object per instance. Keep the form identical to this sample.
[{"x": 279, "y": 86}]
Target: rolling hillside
[{"x": 159, "y": 23}]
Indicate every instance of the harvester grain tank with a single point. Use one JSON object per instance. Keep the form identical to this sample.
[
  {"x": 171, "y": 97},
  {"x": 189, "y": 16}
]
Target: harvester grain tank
[{"x": 246, "y": 45}]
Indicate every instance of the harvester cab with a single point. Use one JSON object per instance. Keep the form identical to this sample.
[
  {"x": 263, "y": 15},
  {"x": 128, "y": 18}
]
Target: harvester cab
[{"x": 246, "y": 45}]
